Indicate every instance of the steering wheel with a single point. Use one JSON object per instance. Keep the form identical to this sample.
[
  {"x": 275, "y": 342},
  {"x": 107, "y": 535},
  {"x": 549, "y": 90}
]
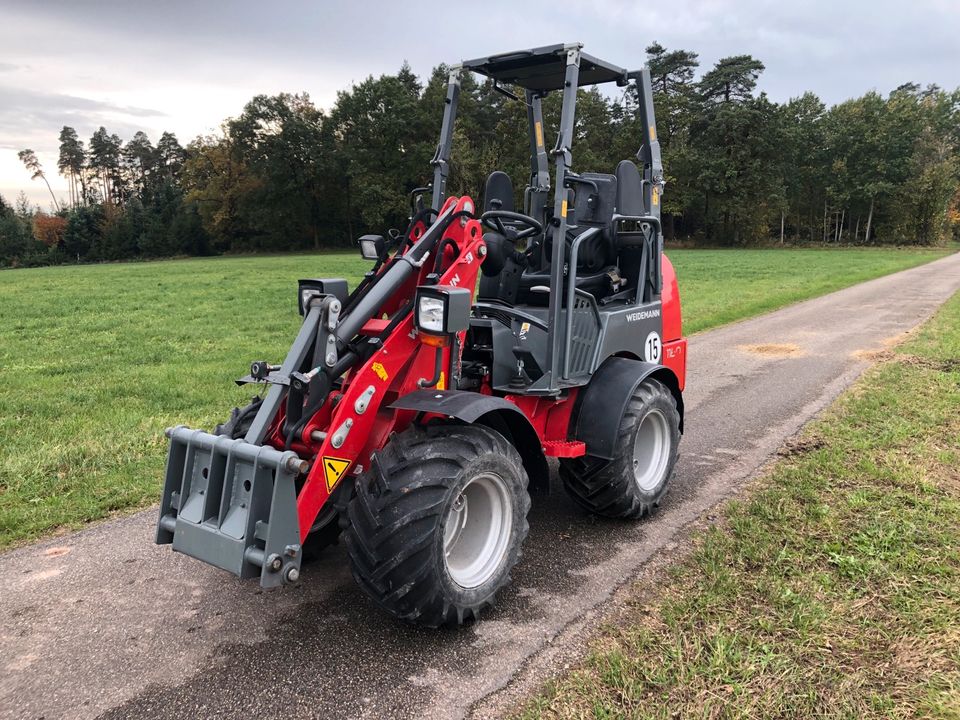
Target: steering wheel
[{"x": 493, "y": 219}]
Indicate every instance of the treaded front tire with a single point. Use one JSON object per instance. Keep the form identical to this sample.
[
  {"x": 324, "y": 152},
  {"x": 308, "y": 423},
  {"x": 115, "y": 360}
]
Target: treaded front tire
[
  {"x": 403, "y": 529},
  {"x": 635, "y": 480}
]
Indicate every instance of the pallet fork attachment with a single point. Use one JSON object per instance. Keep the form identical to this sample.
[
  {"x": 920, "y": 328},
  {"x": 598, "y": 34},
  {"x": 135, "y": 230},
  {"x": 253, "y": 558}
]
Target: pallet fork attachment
[{"x": 232, "y": 504}]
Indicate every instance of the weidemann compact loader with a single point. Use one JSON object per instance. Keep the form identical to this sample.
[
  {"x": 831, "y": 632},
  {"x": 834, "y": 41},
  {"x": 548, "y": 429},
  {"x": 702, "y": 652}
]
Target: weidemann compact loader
[{"x": 415, "y": 413}]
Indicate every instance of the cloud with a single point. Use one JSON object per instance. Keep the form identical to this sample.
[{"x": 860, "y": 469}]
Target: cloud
[
  {"x": 28, "y": 117},
  {"x": 16, "y": 100},
  {"x": 109, "y": 62}
]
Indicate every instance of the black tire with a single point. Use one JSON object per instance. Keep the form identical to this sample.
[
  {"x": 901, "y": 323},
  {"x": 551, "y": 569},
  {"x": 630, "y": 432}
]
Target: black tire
[
  {"x": 326, "y": 528},
  {"x": 325, "y": 532},
  {"x": 613, "y": 488},
  {"x": 398, "y": 520},
  {"x": 240, "y": 420}
]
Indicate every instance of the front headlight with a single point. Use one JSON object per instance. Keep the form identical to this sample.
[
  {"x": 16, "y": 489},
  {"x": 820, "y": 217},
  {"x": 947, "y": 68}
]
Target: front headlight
[
  {"x": 442, "y": 310},
  {"x": 306, "y": 295},
  {"x": 430, "y": 314}
]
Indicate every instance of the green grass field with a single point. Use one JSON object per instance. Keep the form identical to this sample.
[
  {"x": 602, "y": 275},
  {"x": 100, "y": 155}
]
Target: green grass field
[
  {"x": 831, "y": 591},
  {"x": 97, "y": 360}
]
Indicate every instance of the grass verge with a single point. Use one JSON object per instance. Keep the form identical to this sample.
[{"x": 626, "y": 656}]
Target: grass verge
[
  {"x": 832, "y": 590},
  {"x": 98, "y": 359}
]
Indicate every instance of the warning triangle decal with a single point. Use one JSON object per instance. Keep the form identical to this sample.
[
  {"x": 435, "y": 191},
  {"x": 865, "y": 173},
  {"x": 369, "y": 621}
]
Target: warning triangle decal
[{"x": 333, "y": 470}]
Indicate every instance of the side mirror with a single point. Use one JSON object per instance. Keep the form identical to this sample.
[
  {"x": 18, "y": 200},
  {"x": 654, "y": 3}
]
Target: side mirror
[{"x": 373, "y": 247}]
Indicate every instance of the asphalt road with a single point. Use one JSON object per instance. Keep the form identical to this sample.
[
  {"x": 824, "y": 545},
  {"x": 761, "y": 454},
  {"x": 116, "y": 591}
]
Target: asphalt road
[{"x": 105, "y": 622}]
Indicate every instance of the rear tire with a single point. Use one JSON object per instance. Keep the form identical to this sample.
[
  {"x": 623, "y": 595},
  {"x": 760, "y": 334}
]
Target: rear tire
[
  {"x": 436, "y": 523},
  {"x": 633, "y": 483}
]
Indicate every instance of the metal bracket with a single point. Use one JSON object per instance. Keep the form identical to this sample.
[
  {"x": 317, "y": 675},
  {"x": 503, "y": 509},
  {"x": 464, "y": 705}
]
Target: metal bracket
[
  {"x": 360, "y": 406},
  {"x": 331, "y": 316}
]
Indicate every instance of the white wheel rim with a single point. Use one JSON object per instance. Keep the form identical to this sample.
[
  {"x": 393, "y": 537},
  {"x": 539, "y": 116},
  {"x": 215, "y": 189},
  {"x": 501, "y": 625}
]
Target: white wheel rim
[
  {"x": 651, "y": 450},
  {"x": 476, "y": 531}
]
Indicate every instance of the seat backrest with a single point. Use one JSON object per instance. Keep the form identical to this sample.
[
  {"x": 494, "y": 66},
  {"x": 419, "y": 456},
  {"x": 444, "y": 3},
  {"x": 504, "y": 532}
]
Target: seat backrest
[
  {"x": 629, "y": 189},
  {"x": 595, "y": 253},
  {"x": 499, "y": 187}
]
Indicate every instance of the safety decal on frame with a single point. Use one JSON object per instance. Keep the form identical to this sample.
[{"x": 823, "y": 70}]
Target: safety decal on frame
[
  {"x": 380, "y": 370},
  {"x": 333, "y": 470}
]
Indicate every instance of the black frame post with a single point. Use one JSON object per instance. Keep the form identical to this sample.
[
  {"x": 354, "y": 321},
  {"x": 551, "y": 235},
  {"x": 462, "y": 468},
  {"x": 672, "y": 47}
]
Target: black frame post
[
  {"x": 441, "y": 158},
  {"x": 538, "y": 187},
  {"x": 649, "y": 153},
  {"x": 563, "y": 158},
  {"x": 650, "y": 161},
  {"x": 539, "y": 162}
]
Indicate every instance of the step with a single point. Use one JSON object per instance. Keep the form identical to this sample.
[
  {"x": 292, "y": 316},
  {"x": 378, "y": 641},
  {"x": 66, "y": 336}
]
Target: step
[{"x": 564, "y": 448}]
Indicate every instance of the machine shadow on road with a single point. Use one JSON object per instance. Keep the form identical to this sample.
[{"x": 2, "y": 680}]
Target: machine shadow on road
[{"x": 325, "y": 646}]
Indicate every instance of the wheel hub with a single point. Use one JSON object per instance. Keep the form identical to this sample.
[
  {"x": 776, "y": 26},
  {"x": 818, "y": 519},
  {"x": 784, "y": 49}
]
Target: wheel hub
[
  {"x": 477, "y": 528},
  {"x": 651, "y": 450}
]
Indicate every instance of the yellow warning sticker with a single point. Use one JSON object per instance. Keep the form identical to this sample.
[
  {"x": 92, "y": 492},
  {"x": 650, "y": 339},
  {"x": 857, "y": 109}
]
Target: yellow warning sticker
[
  {"x": 653, "y": 133},
  {"x": 655, "y": 195},
  {"x": 333, "y": 470},
  {"x": 380, "y": 370},
  {"x": 442, "y": 382},
  {"x": 539, "y": 128},
  {"x": 563, "y": 209}
]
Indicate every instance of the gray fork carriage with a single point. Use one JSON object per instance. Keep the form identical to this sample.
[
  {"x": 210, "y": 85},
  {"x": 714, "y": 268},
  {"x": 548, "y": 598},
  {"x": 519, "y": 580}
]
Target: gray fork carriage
[{"x": 232, "y": 504}]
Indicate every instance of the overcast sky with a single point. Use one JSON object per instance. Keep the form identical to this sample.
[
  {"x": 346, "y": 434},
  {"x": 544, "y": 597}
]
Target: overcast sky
[{"x": 185, "y": 66}]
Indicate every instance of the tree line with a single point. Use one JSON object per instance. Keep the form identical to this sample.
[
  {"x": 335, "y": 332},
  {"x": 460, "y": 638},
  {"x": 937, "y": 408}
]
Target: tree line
[{"x": 287, "y": 175}]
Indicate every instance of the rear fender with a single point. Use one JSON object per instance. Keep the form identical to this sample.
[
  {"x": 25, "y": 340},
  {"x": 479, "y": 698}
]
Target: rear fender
[
  {"x": 602, "y": 403},
  {"x": 493, "y": 412}
]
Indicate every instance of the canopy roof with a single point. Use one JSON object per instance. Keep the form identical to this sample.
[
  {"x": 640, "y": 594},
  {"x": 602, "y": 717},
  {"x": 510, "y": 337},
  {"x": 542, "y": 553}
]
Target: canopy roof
[{"x": 544, "y": 68}]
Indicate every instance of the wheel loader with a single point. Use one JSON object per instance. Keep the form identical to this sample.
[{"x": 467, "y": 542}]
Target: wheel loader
[{"x": 414, "y": 414}]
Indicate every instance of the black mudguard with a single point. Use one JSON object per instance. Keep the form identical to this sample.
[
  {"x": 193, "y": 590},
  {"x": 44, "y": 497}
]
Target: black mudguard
[
  {"x": 494, "y": 412},
  {"x": 602, "y": 403}
]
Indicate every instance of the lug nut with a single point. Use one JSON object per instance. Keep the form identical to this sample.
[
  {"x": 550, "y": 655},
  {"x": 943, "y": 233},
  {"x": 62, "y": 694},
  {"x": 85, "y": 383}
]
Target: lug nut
[
  {"x": 292, "y": 574},
  {"x": 274, "y": 562}
]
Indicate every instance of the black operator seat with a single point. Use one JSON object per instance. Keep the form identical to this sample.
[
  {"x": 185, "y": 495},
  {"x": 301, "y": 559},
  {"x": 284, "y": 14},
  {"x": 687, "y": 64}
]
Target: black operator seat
[
  {"x": 597, "y": 271},
  {"x": 498, "y": 192}
]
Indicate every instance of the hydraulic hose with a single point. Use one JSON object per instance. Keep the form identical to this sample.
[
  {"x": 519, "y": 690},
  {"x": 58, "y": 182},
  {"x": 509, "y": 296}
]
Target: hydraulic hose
[{"x": 444, "y": 244}]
